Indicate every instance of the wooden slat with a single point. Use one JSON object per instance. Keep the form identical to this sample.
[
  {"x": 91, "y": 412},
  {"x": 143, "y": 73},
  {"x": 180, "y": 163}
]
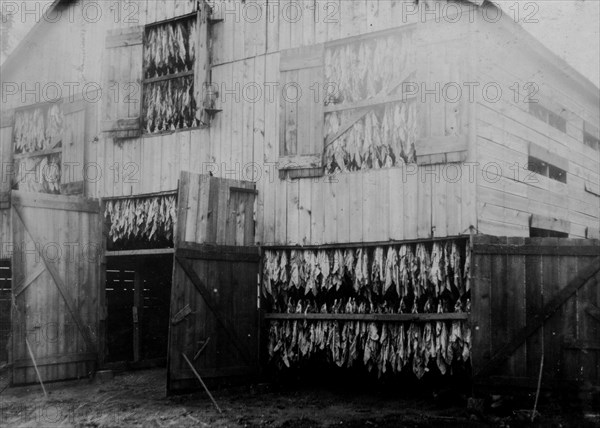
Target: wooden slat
[
  {"x": 55, "y": 202},
  {"x": 37, "y": 153},
  {"x": 147, "y": 252},
  {"x": 371, "y": 317},
  {"x": 168, "y": 77},
  {"x": 571, "y": 250},
  {"x": 370, "y": 102},
  {"x": 130, "y": 36},
  {"x": 300, "y": 161},
  {"x": 182, "y": 207},
  {"x": 221, "y": 252},
  {"x": 56, "y": 359},
  {"x": 581, "y": 345},
  {"x": 534, "y": 304},
  {"x": 550, "y": 223},
  {"x": 243, "y": 190},
  {"x": 301, "y": 58},
  {"x": 26, "y": 282},
  {"x": 499, "y": 295},
  {"x": 441, "y": 145},
  {"x": 516, "y": 308}
]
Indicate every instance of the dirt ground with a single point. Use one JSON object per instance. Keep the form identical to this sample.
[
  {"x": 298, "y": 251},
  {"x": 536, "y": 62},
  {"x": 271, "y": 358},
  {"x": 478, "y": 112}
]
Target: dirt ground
[{"x": 137, "y": 399}]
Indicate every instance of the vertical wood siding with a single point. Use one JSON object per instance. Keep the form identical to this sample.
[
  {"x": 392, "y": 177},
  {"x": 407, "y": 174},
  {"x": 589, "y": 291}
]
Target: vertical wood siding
[
  {"x": 242, "y": 141},
  {"x": 505, "y": 129}
]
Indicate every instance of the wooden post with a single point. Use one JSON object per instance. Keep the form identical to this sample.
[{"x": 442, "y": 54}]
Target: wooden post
[
  {"x": 201, "y": 382},
  {"x": 37, "y": 372},
  {"x": 102, "y": 233}
]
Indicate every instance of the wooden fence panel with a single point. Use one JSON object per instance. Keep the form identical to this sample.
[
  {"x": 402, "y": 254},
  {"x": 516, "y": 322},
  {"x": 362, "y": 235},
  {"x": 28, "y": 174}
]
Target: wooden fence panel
[{"x": 535, "y": 297}]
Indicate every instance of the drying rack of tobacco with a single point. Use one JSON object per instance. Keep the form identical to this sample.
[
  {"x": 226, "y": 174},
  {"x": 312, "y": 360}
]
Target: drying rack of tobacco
[{"x": 388, "y": 308}]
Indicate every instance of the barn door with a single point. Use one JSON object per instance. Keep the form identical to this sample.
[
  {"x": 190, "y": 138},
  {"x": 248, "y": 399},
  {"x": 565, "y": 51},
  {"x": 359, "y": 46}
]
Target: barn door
[
  {"x": 56, "y": 284},
  {"x": 214, "y": 316}
]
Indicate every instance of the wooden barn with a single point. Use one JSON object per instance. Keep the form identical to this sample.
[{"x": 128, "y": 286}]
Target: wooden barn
[{"x": 224, "y": 185}]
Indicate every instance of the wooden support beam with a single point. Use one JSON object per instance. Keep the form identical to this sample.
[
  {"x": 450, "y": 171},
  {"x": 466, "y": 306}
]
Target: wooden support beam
[
  {"x": 37, "y": 153},
  {"x": 148, "y": 252},
  {"x": 55, "y": 360},
  {"x": 593, "y": 311},
  {"x": 537, "y": 250},
  {"x": 192, "y": 250},
  {"x": 54, "y": 202},
  {"x": 22, "y": 286},
  {"x": 364, "y": 244},
  {"x": 243, "y": 190},
  {"x": 142, "y": 195},
  {"x": 454, "y": 316}
]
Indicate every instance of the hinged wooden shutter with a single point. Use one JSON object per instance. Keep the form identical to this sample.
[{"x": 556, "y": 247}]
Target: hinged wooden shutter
[
  {"x": 301, "y": 109},
  {"x": 73, "y": 148},
  {"x": 441, "y": 113},
  {"x": 122, "y": 91}
]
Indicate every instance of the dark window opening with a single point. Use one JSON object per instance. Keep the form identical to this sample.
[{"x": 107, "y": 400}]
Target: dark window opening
[
  {"x": 547, "y": 116},
  {"x": 547, "y": 170},
  {"x": 534, "y": 232},
  {"x": 557, "y": 174},
  {"x": 591, "y": 141},
  {"x": 538, "y": 166}
]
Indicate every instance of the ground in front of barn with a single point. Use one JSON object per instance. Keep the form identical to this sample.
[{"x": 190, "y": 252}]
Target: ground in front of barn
[{"x": 137, "y": 398}]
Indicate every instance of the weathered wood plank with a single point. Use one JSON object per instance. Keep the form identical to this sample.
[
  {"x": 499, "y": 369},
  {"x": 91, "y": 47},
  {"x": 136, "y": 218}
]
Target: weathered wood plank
[
  {"x": 55, "y": 202},
  {"x": 533, "y": 249}
]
